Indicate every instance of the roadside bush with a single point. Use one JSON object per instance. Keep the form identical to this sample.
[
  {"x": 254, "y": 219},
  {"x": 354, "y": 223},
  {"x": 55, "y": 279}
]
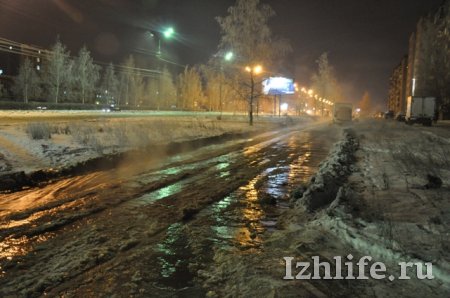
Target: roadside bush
[
  {"x": 39, "y": 131},
  {"x": 82, "y": 134},
  {"x": 61, "y": 129}
]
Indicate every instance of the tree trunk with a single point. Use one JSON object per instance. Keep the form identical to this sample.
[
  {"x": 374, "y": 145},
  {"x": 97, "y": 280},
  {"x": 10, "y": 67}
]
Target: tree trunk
[
  {"x": 26, "y": 93},
  {"x": 252, "y": 90},
  {"x": 57, "y": 94}
]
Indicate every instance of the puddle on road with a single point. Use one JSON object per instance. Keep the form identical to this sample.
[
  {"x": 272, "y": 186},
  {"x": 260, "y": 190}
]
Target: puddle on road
[
  {"x": 174, "y": 256},
  {"x": 220, "y": 163},
  {"x": 238, "y": 221}
]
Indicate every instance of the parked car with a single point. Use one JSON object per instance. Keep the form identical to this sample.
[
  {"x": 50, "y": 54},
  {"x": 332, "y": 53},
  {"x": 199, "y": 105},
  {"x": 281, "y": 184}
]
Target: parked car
[
  {"x": 110, "y": 108},
  {"x": 400, "y": 117},
  {"x": 421, "y": 110},
  {"x": 389, "y": 115},
  {"x": 378, "y": 115}
]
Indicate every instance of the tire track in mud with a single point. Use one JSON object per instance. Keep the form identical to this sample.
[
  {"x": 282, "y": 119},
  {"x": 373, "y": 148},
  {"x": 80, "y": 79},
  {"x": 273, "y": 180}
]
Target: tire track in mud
[
  {"x": 166, "y": 256},
  {"x": 134, "y": 226},
  {"x": 28, "y": 203}
]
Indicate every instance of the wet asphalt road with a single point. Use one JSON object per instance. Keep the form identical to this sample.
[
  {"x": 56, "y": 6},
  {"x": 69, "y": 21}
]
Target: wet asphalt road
[{"x": 146, "y": 227}]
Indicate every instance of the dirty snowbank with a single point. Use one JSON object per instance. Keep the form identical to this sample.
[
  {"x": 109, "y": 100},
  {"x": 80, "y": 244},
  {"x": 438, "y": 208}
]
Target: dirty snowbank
[
  {"x": 369, "y": 212},
  {"x": 332, "y": 174}
]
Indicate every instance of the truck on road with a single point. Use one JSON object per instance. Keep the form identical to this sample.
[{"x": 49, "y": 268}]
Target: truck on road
[
  {"x": 342, "y": 112},
  {"x": 420, "y": 110}
]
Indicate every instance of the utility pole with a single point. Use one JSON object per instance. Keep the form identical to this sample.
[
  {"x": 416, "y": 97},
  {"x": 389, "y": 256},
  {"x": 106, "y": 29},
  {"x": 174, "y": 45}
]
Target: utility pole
[
  {"x": 228, "y": 57},
  {"x": 220, "y": 91}
]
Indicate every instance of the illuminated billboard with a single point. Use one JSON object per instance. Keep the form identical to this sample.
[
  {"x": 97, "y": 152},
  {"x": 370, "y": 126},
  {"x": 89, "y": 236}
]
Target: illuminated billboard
[{"x": 278, "y": 86}]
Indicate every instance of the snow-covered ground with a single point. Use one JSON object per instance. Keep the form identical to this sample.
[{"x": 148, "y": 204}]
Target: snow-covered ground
[
  {"x": 382, "y": 192},
  {"x": 390, "y": 206},
  {"x": 78, "y": 136}
]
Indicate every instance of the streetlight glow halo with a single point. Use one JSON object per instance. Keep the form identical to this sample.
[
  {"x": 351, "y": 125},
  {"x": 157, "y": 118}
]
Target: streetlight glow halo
[{"x": 229, "y": 55}]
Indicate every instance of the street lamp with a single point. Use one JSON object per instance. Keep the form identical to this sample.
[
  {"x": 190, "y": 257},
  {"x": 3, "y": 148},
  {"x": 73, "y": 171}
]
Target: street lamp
[
  {"x": 167, "y": 34},
  {"x": 257, "y": 69},
  {"x": 229, "y": 56}
]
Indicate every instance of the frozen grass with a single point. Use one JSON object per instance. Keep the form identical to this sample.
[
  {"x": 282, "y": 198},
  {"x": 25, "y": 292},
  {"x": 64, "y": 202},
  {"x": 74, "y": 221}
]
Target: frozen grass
[
  {"x": 60, "y": 141},
  {"x": 38, "y": 130},
  {"x": 106, "y": 136}
]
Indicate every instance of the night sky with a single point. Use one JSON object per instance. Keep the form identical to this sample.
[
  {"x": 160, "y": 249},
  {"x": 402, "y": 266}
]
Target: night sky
[{"x": 365, "y": 39}]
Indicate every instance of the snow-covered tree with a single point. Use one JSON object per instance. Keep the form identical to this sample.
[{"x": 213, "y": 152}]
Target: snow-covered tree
[
  {"x": 324, "y": 82},
  {"x": 131, "y": 83},
  {"x": 190, "y": 89},
  {"x": 151, "y": 93},
  {"x": 57, "y": 71},
  {"x": 27, "y": 82},
  {"x": 168, "y": 91},
  {"x": 85, "y": 74},
  {"x": 110, "y": 85},
  {"x": 137, "y": 88},
  {"x": 246, "y": 30},
  {"x": 213, "y": 80}
]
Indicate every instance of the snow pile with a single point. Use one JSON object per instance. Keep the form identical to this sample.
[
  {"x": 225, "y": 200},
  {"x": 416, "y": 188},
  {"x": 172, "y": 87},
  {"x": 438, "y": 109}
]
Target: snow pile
[
  {"x": 332, "y": 174},
  {"x": 377, "y": 201}
]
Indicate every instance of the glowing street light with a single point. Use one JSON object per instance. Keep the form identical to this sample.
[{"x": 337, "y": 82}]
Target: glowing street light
[
  {"x": 229, "y": 56},
  {"x": 166, "y": 34},
  {"x": 169, "y": 32},
  {"x": 255, "y": 70}
]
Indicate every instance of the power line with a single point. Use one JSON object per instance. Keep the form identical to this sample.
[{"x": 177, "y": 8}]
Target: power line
[{"x": 13, "y": 47}]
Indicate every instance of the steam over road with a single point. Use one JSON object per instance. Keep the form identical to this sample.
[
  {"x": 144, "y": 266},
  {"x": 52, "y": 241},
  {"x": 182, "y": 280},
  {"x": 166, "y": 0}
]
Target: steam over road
[{"x": 148, "y": 226}]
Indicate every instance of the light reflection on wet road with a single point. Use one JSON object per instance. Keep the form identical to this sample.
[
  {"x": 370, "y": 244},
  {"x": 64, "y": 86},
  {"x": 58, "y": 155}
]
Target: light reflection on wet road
[
  {"x": 237, "y": 191},
  {"x": 238, "y": 221}
]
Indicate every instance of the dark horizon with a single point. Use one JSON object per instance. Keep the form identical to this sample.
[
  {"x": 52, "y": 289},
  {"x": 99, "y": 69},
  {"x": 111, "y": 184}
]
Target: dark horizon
[{"x": 365, "y": 41}]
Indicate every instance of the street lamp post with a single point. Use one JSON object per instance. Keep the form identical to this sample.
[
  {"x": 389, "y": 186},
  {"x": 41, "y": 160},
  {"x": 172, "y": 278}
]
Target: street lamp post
[
  {"x": 167, "y": 34},
  {"x": 228, "y": 57}
]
